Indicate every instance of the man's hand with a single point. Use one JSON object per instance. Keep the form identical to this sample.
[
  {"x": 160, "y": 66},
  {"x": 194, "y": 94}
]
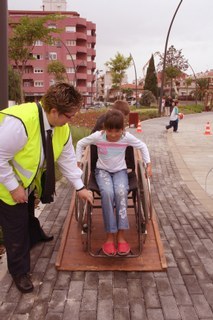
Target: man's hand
[
  {"x": 149, "y": 170},
  {"x": 19, "y": 195},
  {"x": 86, "y": 195}
]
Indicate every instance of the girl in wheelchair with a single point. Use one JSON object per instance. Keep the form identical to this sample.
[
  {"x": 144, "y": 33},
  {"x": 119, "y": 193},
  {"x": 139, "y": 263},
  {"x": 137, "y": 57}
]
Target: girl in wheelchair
[{"x": 112, "y": 178}]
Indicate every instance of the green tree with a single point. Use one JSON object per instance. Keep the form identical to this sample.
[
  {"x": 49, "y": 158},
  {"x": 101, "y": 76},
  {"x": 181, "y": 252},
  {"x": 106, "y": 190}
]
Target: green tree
[
  {"x": 14, "y": 85},
  {"x": 147, "y": 98},
  {"x": 117, "y": 66},
  {"x": 151, "y": 78},
  {"x": 58, "y": 69},
  {"x": 203, "y": 86},
  {"x": 188, "y": 82},
  {"x": 23, "y": 37},
  {"x": 175, "y": 64}
]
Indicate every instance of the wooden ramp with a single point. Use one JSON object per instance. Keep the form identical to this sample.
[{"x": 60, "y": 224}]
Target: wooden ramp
[{"x": 71, "y": 256}]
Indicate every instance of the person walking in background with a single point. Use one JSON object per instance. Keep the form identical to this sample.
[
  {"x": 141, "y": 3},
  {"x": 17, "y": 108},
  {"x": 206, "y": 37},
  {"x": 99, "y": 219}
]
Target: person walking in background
[
  {"x": 163, "y": 105},
  {"x": 168, "y": 106},
  {"x": 173, "y": 123},
  {"x": 120, "y": 105},
  {"x": 112, "y": 178},
  {"x": 22, "y": 164}
]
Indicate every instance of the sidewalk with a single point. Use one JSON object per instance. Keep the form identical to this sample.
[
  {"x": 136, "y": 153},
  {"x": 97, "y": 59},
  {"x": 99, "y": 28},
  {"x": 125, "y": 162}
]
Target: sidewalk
[{"x": 183, "y": 200}]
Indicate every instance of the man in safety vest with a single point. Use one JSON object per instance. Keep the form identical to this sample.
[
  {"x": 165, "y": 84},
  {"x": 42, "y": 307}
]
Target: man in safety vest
[{"x": 22, "y": 163}]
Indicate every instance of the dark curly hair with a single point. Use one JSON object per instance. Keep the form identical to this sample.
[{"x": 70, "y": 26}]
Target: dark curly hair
[{"x": 63, "y": 97}]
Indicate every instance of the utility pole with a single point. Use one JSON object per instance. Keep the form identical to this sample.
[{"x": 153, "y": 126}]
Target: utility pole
[
  {"x": 136, "y": 81},
  {"x": 3, "y": 55},
  {"x": 164, "y": 58}
]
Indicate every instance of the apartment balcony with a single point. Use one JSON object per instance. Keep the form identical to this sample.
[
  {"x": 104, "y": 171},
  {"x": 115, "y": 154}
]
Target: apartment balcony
[
  {"x": 91, "y": 52},
  {"x": 91, "y": 39},
  {"x": 80, "y": 35},
  {"x": 81, "y": 49},
  {"x": 81, "y": 76}
]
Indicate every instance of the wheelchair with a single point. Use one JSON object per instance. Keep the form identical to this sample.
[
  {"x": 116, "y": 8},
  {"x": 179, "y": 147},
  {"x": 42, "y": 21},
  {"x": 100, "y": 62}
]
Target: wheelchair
[{"x": 139, "y": 200}]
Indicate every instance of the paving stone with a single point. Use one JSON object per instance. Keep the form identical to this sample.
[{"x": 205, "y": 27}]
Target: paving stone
[
  {"x": 91, "y": 280},
  {"x": 105, "y": 291},
  {"x": 175, "y": 276},
  {"x": 163, "y": 286},
  {"x": 188, "y": 313},
  {"x": 184, "y": 266},
  {"x": 120, "y": 279},
  {"x": 151, "y": 297},
  {"x": 63, "y": 280},
  {"x": 122, "y": 314},
  {"x": 39, "y": 310},
  {"x": 89, "y": 300},
  {"x": 201, "y": 306},
  {"x": 170, "y": 309},
  {"x": 78, "y": 275},
  {"x": 105, "y": 310},
  {"x": 134, "y": 289},
  {"x": 137, "y": 310},
  {"x": 148, "y": 279},
  {"x": 54, "y": 316},
  {"x": 120, "y": 297},
  {"x": 155, "y": 314},
  {"x": 106, "y": 275},
  {"x": 75, "y": 291},
  {"x": 71, "y": 310},
  {"x": 88, "y": 315},
  {"x": 181, "y": 295},
  {"x": 208, "y": 292},
  {"x": 192, "y": 284},
  {"x": 57, "y": 302}
]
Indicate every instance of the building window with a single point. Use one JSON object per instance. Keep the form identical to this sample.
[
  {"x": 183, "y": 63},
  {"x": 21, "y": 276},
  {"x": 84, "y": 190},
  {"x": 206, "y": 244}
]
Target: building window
[
  {"x": 52, "y": 82},
  {"x": 70, "y": 29},
  {"x": 89, "y": 84},
  {"x": 89, "y": 58},
  {"x": 89, "y": 45},
  {"x": 71, "y": 57},
  {"x": 38, "y": 70},
  {"x": 89, "y": 33},
  {"x": 70, "y": 70},
  {"x": 38, "y": 43},
  {"x": 70, "y": 43},
  {"x": 39, "y": 83},
  {"x": 89, "y": 71},
  {"x": 38, "y": 56},
  {"x": 52, "y": 26},
  {"x": 52, "y": 56}
]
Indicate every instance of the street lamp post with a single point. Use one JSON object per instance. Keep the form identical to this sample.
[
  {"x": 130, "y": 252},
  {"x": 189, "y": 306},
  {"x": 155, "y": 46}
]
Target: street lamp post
[
  {"x": 97, "y": 73},
  {"x": 195, "y": 82},
  {"x": 164, "y": 58},
  {"x": 136, "y": 80},
  {"x": 73, "y": 62},
  {"x": 3, "y": 55}
]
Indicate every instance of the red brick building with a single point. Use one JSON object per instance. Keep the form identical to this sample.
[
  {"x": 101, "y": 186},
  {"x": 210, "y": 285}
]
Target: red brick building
[{"x": 75, "y": 49}]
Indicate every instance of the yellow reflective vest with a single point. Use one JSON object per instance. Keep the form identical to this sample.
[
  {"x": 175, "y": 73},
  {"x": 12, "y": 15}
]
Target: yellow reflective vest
[{"x": 25, "y": 163}]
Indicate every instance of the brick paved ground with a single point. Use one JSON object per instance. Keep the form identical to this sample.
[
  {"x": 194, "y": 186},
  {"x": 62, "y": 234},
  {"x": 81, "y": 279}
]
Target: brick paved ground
[{"x": 184, "y": 292}]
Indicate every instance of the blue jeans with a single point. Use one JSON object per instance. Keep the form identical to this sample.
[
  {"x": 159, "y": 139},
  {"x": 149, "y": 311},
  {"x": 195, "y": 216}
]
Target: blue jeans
[{"x": 114, "y": 192}]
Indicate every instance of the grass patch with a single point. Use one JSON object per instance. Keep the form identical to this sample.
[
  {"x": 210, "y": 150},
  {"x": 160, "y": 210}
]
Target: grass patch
[{"x": 79, "y": 133}]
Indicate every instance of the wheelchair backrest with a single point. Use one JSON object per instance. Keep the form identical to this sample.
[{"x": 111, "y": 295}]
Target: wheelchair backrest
[{"x": 129, "y": 157}]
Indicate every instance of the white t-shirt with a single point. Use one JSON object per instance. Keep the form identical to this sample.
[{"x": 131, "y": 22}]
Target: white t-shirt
[
  {"x": 111, "y": 155},
  {"x": 174, "y": 114}
]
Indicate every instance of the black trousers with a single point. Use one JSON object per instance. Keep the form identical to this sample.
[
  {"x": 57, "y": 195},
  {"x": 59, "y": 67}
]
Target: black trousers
[
  {"x": 173, "y": 124},
  {"x": 21, "y": 230}
]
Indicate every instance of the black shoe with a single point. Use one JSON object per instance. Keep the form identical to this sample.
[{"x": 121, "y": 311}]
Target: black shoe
[
  {"x": 23, "y": 283},
  {"x": 44, "y": 237}
]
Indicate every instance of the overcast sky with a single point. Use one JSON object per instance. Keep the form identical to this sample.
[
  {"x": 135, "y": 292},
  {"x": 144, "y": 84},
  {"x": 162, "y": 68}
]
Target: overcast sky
[{"x": 140, "y": 27}]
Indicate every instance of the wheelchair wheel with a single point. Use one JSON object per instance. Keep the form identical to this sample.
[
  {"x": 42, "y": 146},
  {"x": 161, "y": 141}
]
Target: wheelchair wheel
[
  {"x": 143, "y": 189},
  {"x": 79, "y": 203}
]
